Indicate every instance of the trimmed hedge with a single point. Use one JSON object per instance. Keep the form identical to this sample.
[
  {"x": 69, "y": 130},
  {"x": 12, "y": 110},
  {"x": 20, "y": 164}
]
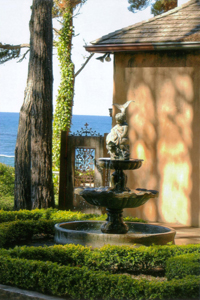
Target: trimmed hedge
[
  {"x": 54, "y": 214},
  {"x": 183, "y": 265},
  {"x": 81, "y": 283},
  {"x": 107, "y": 258},
  {"x": 12, "y": 232},
  {"x": 58, "y": 270}
]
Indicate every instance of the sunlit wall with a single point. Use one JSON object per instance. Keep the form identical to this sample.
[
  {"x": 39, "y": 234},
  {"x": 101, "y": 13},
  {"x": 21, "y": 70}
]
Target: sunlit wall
[{"x": 164, "y": 130}]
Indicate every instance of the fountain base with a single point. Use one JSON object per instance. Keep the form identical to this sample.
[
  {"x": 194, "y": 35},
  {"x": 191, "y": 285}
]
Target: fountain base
[{"x": 88, "y": 233}]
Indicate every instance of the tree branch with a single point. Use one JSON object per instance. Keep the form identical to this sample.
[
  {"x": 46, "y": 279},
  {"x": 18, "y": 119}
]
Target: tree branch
[
  {"x": 56, "y": 31},
  {"x": 83, "y": 66},
  {"x": 9, "y": 52},
  {"x": 13, "y": 47},
  {"x": 24, "y": 55}
]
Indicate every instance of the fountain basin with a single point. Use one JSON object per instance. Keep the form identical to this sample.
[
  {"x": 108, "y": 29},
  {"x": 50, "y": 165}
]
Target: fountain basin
[
  {"x": 109, "y": 198},
  {"x": 88, "y": 233},
  {"x": 118, "y": 164}
]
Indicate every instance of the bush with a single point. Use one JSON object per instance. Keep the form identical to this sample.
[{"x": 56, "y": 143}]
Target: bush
[
  {"x": 7, "y": 203},
  {"x": 108, "y": 258},
  {"x": 58, "y": 270},
  {"x": 183, "y": 265},
  {"x": 7, "y": 179},
  {"x": 81, "y": 283},
  {"x": 53, "y": 214},
  {"x": 12, "y": 232}
]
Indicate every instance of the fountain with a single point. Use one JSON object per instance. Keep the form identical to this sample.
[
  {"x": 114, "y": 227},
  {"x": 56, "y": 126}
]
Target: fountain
[{"x": 115, "y": 198}]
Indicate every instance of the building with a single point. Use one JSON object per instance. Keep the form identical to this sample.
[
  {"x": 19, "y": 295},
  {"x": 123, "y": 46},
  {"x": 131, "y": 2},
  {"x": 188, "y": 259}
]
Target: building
[{"x": 157, "y": 64}]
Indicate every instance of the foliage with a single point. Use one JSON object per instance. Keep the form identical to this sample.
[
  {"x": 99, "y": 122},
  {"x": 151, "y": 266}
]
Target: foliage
[
  {"x": 77, "y": 271},
  {"x": 136, "y": 5},
  {"x": 183, "y": 265},
  {"x": 112, "y": 258},
  {"x": 63, "y": 111},
  {"x": 53, "y": 214},
  {"x": 7, "y": 179},
  {"x": 55, "y": 178},
  {"x": 8, "y": 54},
  {"x": 80, "y": 282},
  {"x": 157, "y": 7},
  {"x": 108, "y": 258},
  {"x": 7, "y": 203},
  {"x": 161, "y": 6}
]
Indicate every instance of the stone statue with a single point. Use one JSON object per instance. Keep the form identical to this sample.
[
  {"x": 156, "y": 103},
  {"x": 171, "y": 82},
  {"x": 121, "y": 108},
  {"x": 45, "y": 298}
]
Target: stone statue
[{"x": 117, "y": 142}]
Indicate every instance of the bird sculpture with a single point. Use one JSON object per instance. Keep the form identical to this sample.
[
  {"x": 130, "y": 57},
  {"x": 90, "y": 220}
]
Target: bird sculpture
[{"x": 117, "y": 142}]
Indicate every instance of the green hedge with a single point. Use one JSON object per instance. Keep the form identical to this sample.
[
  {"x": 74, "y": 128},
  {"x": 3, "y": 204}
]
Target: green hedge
[
  {"x": 7, "y": 179},
  {"x": 58, "y": 270},
  {"x": 82, "y": 283},
  {"x": 183, "y": 265},
  {"x": 12, "y": 232},
  {"x": 107, "y": 258},
  {"x": 54, "y": 214}
]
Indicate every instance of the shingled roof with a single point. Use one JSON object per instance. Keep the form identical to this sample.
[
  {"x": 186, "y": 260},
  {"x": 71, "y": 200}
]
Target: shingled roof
[{"x": 179, "y": 26}]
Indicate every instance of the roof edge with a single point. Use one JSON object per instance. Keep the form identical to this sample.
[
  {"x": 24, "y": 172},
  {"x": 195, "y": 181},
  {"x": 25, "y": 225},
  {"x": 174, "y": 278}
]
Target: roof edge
[
  {"x": 135, "y": 47},
  {"x": 138, "y": 24}
]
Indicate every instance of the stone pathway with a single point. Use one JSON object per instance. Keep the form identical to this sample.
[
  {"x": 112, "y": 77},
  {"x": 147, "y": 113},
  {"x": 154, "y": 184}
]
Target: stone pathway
[{"x": 12, "y": 293}]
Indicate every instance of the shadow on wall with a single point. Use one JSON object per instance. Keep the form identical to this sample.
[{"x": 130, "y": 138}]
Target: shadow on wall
[{"x": 161, "y": 133}]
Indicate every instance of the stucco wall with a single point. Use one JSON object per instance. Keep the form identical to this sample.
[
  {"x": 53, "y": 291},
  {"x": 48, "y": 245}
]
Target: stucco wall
[{"x": 164, "y": 130}]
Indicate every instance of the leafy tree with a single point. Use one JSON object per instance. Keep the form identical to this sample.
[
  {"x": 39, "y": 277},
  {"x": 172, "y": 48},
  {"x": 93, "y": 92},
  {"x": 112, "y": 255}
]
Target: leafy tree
[
  {"x": 136, "y": 5},
  {"x": 161, "y": 6},
  {"x": 157, "y": 6}
]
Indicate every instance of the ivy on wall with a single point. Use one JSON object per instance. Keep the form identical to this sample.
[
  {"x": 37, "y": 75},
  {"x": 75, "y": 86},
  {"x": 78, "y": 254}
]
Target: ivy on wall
[{"x": 64, "y": 102}]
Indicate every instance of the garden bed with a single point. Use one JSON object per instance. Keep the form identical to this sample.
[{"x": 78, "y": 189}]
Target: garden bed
[{"x": 111, "y": 272}]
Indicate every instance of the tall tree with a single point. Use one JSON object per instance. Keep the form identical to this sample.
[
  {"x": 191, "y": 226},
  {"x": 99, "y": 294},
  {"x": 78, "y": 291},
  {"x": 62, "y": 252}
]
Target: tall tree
[{"x": 33, "y": 153}]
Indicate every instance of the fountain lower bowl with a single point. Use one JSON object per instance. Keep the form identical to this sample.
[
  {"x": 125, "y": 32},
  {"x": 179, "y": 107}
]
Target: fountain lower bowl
[{"x": 88, "y": 233}]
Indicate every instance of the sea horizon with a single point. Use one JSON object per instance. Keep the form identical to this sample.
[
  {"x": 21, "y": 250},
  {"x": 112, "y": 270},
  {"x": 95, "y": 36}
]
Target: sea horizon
[{"x": 9, "y": 127}]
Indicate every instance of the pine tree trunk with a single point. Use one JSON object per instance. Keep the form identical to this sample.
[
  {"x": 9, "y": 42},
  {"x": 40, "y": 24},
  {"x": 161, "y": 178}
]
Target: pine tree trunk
[{"x": 33, "y": 153}]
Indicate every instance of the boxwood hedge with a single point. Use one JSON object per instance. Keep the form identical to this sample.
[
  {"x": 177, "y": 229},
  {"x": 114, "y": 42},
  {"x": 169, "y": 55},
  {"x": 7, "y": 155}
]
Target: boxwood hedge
[
  {"x": 82, "y": 283},
  {"x": 80, "y": 272},
  {"x": 183, "y": 265}
]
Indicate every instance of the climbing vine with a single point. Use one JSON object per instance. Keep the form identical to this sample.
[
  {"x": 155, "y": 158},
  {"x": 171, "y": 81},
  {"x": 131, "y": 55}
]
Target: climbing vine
[{"x": 64, "y": 102}]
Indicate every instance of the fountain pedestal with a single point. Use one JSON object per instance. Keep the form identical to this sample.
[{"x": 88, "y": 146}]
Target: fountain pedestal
[{"x": 114, "y": 222}]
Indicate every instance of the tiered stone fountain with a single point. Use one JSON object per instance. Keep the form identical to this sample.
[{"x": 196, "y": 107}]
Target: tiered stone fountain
[{"x": 115, "y": 198}]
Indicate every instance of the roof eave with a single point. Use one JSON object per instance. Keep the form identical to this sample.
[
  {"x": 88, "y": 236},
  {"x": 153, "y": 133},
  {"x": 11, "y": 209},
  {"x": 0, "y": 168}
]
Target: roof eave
[{"x": 135, "y": 47}]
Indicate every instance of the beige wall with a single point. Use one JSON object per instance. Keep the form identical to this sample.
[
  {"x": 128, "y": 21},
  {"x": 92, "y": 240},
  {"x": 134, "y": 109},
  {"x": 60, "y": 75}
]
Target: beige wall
[{"x": 164, "y": 130}]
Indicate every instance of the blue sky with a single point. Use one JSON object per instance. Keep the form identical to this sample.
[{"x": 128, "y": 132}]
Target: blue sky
[{"x": 94, "y": 85}]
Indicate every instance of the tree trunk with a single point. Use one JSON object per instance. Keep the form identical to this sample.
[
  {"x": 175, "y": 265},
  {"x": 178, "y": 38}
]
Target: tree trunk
[{"x": 33, "y": 153}]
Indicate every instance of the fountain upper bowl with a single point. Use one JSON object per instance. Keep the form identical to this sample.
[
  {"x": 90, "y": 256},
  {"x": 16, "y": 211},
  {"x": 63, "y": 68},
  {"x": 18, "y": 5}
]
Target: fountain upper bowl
[{"x": 118, "y": 164}]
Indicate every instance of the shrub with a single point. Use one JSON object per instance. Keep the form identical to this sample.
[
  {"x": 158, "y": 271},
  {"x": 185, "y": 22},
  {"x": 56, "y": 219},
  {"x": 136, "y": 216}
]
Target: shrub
[
  {"x": 81, "y": 283},
  {"x": 52, "y": 214},
  {"x": 11, "y": 232},
  {"x": 183, "y": 265},
  {"x": 7, "y": 179},
  {"x": 7, "y": 203},
  {"x": 107, "y": 258}
]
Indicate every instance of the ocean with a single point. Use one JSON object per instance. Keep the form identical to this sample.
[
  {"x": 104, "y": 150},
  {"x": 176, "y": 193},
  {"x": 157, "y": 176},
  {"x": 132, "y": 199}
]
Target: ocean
[{"x": 9, "y": 127}]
